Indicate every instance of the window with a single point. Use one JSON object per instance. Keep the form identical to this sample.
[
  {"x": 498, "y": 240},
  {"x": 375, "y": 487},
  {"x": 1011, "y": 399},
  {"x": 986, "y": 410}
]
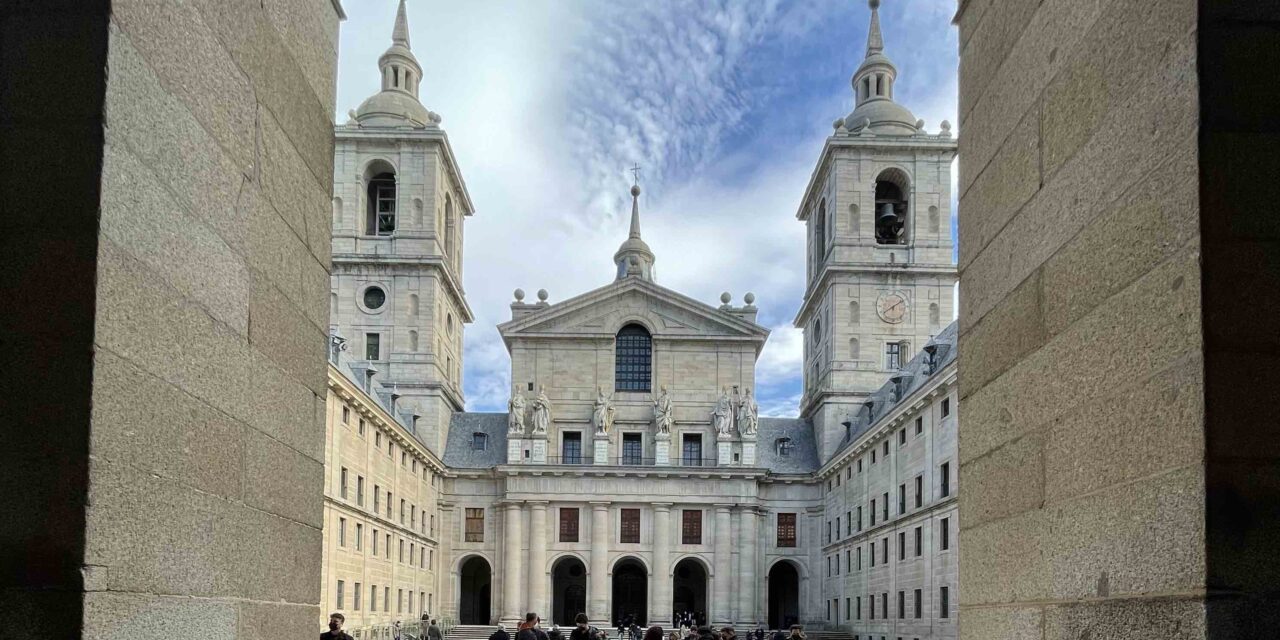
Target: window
[
  {"x": 377, "y": 494},
  {"x": 355, "y": 597},
  {"x": 945, "y": 472},
  {"x": 386, "y": 598},
  {"x": 374, "y": 539},
  {"x": 893, "y": 356},
  {"x": 568, "y": 524},
  {"x": 346, "y": 415},
  {"x": 873, "y": 456},
  {"x": 919, "y": 425},
  {"x": 372, "y": 346},
  {"x": 873, "y": 512},
  {"x": 388, "y": 505},
  {"x": 342, "y": 532},
  {"x": 902, "y": 499},
  {"x": 475, "y": 525},
  {"x": 691, "y": 449},
  {"x": 786, "y": 530},
  {"x": 902, "y": 545},
  {"x": 919, "y": 604},
  {"x": 373, "y": 598},
  {"x": 872, "y": 554},
  {"x": 386, "y": 548},
  {"x": 902, "y": 437},
  {"x": 342, "y": 485},
  {"x": 361, "y": 429},
  {"x": 402, "y": 504},
  {"x": 847, "y": 608},
  {"x": 381, "y": 216},
  {"x": 783, "y": 446},
  {"x": 919, "y": 491},
  {"x": 479, "y": 441},
  {"x": 404, "y": 457},
  {"x": 341, "y": 593},
  {"x": 886, "y": 506},
  {"x": 857, "y": 611},
  {"x": 884, "y": 550},
  {"x": 828, "y": 531},
  {"x": 632, "y": 359},
  {"x": 886, "y": 448},
  {"x": 891, "y": 208},
  {"x": 632, "y": 449},
  {"x": 360, "y": 490},
  {"x": 629, "y": 531},
  {"x": 919, "y": 540},
  {"x": 374, "y": 298},
  {"x": 944, "y": 533},
  {"x": 399, "y": 600},
  {"x": 859, "y": 465},
  {"x": 377, "y": 439},
  {"x": 902, "y": 604},
  {"x": 859, "y": 518},
  {"x": 828, "y": 575},
  {"x": 884, "y": 606},
  {"x": 857, "y": 553},
  {"x": 946, "y": 407},
  {"x": 848, "y": 523},
  {"x": 837, "y": 527},
  {"x": 691, "y": 527},
  {"x": 571, "y": 448},
  {"x": 400, "y": 553},
  {"x": 944, "y": 602},
  {"x": 359, "y": 538}
]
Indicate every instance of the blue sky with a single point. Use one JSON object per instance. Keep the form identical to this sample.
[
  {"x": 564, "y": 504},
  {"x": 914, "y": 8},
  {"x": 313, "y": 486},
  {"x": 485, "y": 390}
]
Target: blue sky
[{"x": 724, "y": 105}]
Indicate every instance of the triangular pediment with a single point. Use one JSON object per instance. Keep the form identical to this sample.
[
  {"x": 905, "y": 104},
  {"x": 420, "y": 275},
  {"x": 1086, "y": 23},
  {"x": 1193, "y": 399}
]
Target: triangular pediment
[{"x": 602, "y": 312}]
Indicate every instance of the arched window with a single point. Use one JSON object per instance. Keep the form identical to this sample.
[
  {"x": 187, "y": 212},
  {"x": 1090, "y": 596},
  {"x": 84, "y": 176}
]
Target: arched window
[
  {"x": 448, "y": 226},
  {"x": 891, "y": 207},
  {"x": 632, "y": 360},
  {"x": 380, "y": 219}
]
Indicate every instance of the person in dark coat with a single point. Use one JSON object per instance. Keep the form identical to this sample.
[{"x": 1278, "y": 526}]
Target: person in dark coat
[
  {"x": 335, "y": 632},
  {"x": 500, "y": 634},
  {"x": 433, "y": 631}
]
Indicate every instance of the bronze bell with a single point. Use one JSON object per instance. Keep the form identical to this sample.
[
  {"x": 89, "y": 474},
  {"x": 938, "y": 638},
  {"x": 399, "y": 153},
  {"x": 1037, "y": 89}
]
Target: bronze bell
[{"x": 886, "y": 217}]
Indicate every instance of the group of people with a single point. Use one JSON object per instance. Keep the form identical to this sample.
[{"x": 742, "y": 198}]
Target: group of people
[
  {"x": 430, "y": 629},
  {"x": 689, "y": 625},
  {"x": 705, "y": 632}
]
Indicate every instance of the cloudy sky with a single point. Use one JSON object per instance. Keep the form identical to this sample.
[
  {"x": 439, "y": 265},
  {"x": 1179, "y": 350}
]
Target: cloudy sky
[{"x": 724, "y": 105}]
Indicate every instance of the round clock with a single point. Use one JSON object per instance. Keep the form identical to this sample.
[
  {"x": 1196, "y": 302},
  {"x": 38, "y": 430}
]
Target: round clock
[{"x": 892, "y": 308}]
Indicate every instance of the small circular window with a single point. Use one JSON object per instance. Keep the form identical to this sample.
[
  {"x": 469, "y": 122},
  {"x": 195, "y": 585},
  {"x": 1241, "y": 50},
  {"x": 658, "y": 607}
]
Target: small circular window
[{"x": 374, "y": 297}]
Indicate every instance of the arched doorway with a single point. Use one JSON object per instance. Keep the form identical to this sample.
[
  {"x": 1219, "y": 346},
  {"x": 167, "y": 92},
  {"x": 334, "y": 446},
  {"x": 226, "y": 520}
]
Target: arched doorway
[
  {"x": 689, "y": 589},
  {"x": 474, "y": 585},
  {"x": 630, "y": 592},
  {"x": 784, "y": 595},
  {"x": 568, "y": 590}
]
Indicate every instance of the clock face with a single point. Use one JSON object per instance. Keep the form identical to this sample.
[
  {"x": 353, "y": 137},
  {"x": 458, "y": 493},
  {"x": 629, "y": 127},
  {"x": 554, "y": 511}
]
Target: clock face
[{"x": 892, "y": 308}]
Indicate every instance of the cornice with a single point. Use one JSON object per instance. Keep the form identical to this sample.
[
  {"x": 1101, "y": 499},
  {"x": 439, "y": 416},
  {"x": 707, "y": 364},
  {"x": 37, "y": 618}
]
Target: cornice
[
  {"x": 346, "y": 389},
  {"x": 391, "y": 260}
]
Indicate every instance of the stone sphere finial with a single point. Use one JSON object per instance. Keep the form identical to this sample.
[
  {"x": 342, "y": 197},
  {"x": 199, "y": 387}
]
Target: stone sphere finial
[
  {"x": 725, "y": 297},
  {"x": 946, "y": 125},
  {"x": 519, "y": 293},
  {"x": 839, "y": 122},
  {"x": 920, "y": 124},
  {"x": 750, "y": 298},
  {"x": 635, "y": 190},
  {"x": 542, "y": 295}
]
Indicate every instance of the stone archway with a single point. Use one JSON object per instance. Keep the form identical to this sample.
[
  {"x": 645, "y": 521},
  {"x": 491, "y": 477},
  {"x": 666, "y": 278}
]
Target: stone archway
[
  {"x": 475, "y": 584},
  {"x": 568, "y": 590},
  {"x": 689, "y": 589},
  {"x": 784, "y": 595},
  {"x": 630, "y": 592}
]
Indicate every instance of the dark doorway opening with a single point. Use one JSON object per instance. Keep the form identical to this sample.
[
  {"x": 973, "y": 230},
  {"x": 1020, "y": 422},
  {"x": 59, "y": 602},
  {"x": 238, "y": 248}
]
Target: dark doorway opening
[
  {"x": 475, "y": 584},
  {"x": 784, "y": 596},
  {"x": 630, "y": 592},
  {"x": 689, "y": 589},
  {"x": 568, "y": 590}
]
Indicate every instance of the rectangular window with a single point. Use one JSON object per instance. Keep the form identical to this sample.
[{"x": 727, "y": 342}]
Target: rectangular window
[
  {"x": 359, "y": 537},
  {"x": 629, "y": 531},
  {"x": 786, "y": 530},
  {"x": 346, "y": 415},
  {"x": 632, "y": 449},
  {"x": 859, "y": 518},
  {"x": 341, "y": 593},
  {"x": 884, "y": 550},
  {"x": 944, "y": 473},
  {"x": 848, "y": 560},
  {"x": 902, "y": 499},
  {"x": 884, "y": 606},
  {"x": 919, "y": 425},
  {"x": 374, "y": 539},
  {"x": 571, "y": 448},
  {"x": 946, "y": 407},
  {"x": 360, "y": 491},
  {"x": 885, "y": 445},
  {"x": 848, "y": 523},
  {"x": 372, "y": 346},
  {"x": 568, "y": 524},
  {"x": 857, "y": 611},
  {"x": 945, "y": 531},
  {"x": 400, "y": 554},
  {"x": 412, "y": 549},
  {"x": 902, "y": 545},
  {"x": 886, "y": 506},
  {"x": 919, "y": 491},
  {"x": 919, "y": 540},
  {"x": 873, "y": 456},
  {"x": 355, "y": 597},
  {"x": 857, "y": 552},
  {"x": 873, "y": 512},
  {"x": 871, "y": 605},
  {"x": 902, "y": 437},
  {"x": 386, "y": 548},
  {"x": 902, "y": 605},
  {"x": 475, "y": 525},
  {"x": 389, "y": 505},
  {"x": 691, "y": 527},
  {"x": 399, "y": 600},
  {"x": 342, "y": 532},
  {"x": 872, "y": 555},
  {"x": 342, "y": 485},
  {"x": 892, "y": 356},
  {"x": 859, "y": 465},
  {"x": 377, "y": 439},
  {"x": 944, "y": 602},
  {"x": 373, "y": 598},
  {"x": 386, "y": 598},
  {"x": 377, "y": 494},
  {"x": 828, "y": 531},
  {"x": 847, "y": 608},
  {"x": 402, "y": 505},
  {"x": 404, "y": 457},
  {"x": 837, "y": 527},
  {"x": 919, "y": 604},
  {"x": 691, "y": 449}
]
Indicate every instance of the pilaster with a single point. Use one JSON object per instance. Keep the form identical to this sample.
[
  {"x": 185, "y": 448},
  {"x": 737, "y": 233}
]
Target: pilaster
[
  {"x": 598, "y": 581},
  {"x": 512, "y": 562}
]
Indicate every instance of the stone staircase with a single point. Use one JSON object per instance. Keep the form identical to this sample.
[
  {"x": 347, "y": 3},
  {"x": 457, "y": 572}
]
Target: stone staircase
[
  {"x": 473, "y": 632},
  {"x": 828, "y": 635}
]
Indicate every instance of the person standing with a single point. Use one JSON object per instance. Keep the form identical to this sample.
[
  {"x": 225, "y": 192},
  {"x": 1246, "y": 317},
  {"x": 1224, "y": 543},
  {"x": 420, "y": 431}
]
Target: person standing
[
  {"x": 797, "y": 632},
  {"x": 582, "y": 629},
  {"x": 335, "y": 632},
  {"x": 500, "y": 634},
  {"x": 433, "y": 631}
]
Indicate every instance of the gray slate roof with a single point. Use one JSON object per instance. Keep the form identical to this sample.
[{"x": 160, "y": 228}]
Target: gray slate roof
[
  {"x": 887, "y": 397},
  {"x": 804, "y": 449},
  {"x": 354, "y": 370},
  {"x": 458, "y": 453}
]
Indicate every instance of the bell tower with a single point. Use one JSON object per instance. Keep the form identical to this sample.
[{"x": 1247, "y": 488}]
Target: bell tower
[
  {"x": 399, "y": 205},
  {"x": 880, "y": 274}
]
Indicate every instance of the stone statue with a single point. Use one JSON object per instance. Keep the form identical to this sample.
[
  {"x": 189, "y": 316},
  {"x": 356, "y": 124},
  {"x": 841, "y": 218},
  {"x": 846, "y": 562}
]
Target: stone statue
[
  {"x": 663, "y": 412},
  {"x": 602, "y": 416},
  {"x": 515, "y": 411},
  {"x": 722, "y": 415},
  {"x": 748, "y": 415},
  {"x": 541, "y": 411}
]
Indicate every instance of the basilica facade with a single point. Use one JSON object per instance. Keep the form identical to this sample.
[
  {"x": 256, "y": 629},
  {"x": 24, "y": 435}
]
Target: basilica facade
[{"x": 632, "y": 475}]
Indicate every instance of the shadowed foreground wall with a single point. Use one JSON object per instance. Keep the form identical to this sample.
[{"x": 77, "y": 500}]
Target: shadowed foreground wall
[
  {"x": 166, "y": 174},
  {"x": 1120, "y": 278}
]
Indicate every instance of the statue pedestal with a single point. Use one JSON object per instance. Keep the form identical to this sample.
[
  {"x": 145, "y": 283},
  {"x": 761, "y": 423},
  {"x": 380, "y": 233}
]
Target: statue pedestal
[
  {"x": 538, "y": 449},
  {"x": 748, "y": 451},
  {"x": 601, "y": 449},
  {"x": 662, "y": 450},
  {"x": 515, "y": 447},
  {"x": 724, "y": 453}
]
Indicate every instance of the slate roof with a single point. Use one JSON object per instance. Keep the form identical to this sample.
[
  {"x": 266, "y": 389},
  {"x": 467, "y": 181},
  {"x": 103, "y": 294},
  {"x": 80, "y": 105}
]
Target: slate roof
[
  {"x": 458, "y": 453},
  {"x": 804, "y": 448},
  {"x": 888, "y": 396},
  {"x": 354, "y": 370}
]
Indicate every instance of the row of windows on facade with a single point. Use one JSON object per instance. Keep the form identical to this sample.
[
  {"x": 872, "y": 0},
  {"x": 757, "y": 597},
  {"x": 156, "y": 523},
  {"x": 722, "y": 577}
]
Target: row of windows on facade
[
  {"x": 633, "y": 448},
  {"x": 428, "y": 525},
  {"x": 944, "y": 412},
  {"x": 381, "y": 214},
  {"x": 850, "y": 521},
  {"x": 853, "y": 607},
  {"x": 421, "y": 604},
  {"x": 407, "y": 458},
  {"x": 853, "y": 557},
  {"x": 422, "y": 557},
  {"x": 629, "y": 526}
]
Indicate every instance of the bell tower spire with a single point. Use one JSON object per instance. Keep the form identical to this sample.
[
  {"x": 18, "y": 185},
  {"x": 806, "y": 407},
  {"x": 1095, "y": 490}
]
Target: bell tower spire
[
  {"x": 397, "y": 104},
  {"x": 875, "y": 41},
  {"x": 634, "y": 259}
]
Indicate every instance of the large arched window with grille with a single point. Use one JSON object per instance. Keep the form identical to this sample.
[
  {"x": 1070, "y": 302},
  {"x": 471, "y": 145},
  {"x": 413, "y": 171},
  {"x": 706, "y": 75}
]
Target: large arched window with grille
[{"x": 633, "y": 357}]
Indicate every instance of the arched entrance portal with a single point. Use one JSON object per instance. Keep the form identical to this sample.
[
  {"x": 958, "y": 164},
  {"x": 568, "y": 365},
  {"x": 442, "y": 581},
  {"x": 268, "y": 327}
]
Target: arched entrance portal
[
  {"x": 784, "y": 596},
  {"x": 689, "y": 589},
  {"x": 474, "y": 584},
  {"x": 568, "y": 590},
  {"x": 630, "y": 592}
]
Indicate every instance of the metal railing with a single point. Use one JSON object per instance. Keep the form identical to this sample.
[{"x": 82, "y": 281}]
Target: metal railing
[
  {"x": 626, "y": 461},
  {"x": 409, "y": 629}
]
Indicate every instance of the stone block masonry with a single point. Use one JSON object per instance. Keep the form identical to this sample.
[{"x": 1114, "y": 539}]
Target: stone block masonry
[{"x": 164, "y": 361}]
